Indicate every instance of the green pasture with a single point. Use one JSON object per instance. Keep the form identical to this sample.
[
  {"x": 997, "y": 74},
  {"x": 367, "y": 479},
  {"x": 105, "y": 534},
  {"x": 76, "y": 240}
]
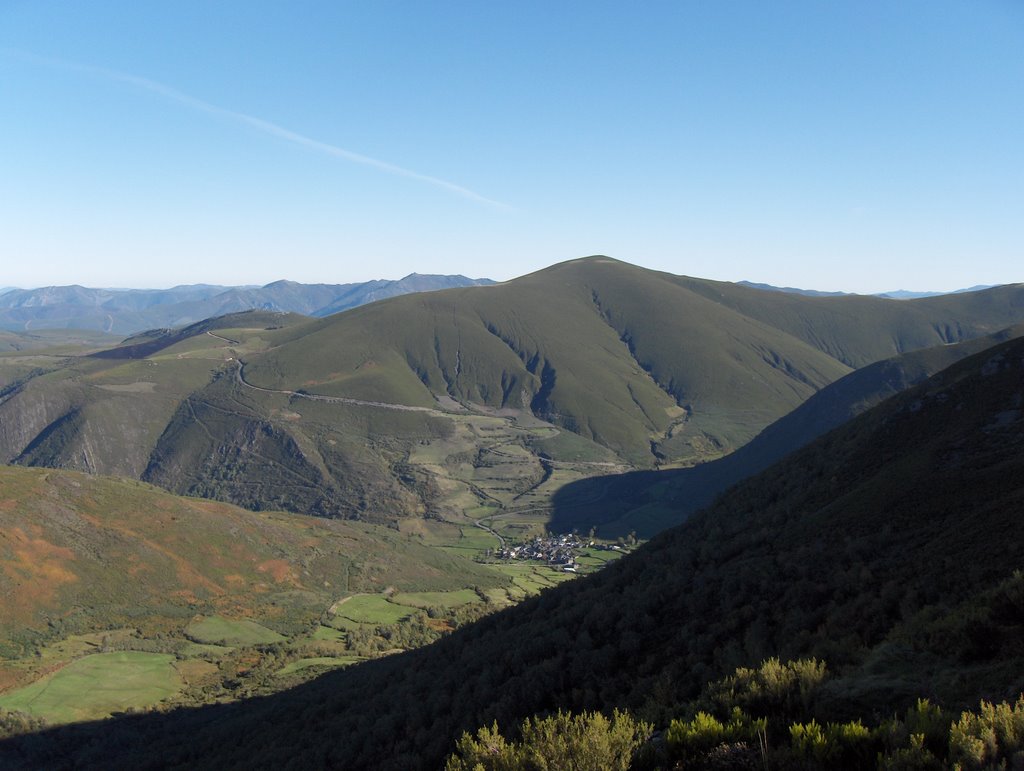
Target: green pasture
[
  {"x": 436, "y": 599},
  {"x": 96, "y": 686},
  {"x": 217, "y": 630},
  {"x": 327, "y": 633},
  {"x": 191, "y": 649},
  {"x": 532, "y": 579},
  {"x": 371, "y": 609}
]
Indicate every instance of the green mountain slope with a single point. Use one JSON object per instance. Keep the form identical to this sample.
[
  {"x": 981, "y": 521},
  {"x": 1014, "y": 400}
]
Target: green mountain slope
[
  {"x": 485, "y": 397},
  {"x": 880, "y": 547},
  {"x": 617, "y": 354}
]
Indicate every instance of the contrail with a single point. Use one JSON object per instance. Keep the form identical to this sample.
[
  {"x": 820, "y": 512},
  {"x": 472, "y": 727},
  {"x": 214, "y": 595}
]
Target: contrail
[{"x": 265, "y": 126}]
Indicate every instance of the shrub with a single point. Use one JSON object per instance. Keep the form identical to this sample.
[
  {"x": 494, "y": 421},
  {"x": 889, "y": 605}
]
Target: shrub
[
  {"x": 690, "y": 741},
  {"x": 990, "y": 738},
  {"x": 584, "y": 742},
  {"x": 774, "y": 688}
]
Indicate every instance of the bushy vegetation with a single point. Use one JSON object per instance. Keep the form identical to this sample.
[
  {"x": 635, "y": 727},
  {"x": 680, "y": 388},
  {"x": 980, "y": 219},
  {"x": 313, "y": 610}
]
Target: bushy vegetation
[
  {"x": 992, "y": 737},
  {"x": 584, "y": 742},
  {"x": 759, "y": 734}
]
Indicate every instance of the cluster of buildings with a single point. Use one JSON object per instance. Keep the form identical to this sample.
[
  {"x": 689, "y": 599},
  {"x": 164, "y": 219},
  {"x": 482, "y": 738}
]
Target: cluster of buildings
[{"x": 556, "y": 550}]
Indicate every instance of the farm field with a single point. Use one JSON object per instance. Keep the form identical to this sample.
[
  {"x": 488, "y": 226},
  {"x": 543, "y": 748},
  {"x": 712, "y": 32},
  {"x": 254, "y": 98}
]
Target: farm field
[
  {"x": 217, "y": 630},
  {"x": 98, "y": 685}
]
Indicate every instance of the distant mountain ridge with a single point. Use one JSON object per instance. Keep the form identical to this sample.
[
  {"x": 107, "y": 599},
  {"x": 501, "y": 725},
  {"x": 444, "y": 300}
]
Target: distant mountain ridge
[
  {"x": 125, "y": 311},
  {"x": 897, "y": 294}
]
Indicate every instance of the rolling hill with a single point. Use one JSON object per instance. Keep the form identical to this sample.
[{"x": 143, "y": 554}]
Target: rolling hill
[
  {"x": 125, "y": 311},
  {"x": 886, "y": 547},
  {"x": 483, "y": 399}
]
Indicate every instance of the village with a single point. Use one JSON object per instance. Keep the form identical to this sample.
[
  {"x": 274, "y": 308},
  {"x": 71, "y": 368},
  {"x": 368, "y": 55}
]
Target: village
[{"x": 558, "y": 551}]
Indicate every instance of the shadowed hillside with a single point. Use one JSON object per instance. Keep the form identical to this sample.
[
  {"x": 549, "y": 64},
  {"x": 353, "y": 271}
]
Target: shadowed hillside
[
  {"x": 886, "y": 547},
  {"x": 647, "y": 502}
]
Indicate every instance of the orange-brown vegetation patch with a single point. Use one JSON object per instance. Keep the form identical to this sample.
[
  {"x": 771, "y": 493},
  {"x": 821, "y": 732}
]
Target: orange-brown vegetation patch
[
  {"x": 234, "y": 580},
  {"x": 36, "y": 567},
  {"x": 440, "y": 625},
  {"x": 247, "y": 662},
  {"x": 280, "y": 570},
  {"x": 195, "y": 671},
  {"x": 10, "y": 678}
]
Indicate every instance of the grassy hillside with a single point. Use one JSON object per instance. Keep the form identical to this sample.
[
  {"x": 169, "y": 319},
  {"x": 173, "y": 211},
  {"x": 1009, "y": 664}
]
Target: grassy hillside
[
  {"x": 617, "y": 354},
  {"x": 887, "y": 547},
  {"x": 465, "y": 404},
  {"x": 658, "y": 368}
]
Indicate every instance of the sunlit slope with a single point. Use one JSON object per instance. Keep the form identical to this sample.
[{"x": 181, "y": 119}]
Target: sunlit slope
[
  {"x": 615, "y": 353},
  {"x": 888, "y": 547},
  {"x": 80, "y": 553},
  {"x": 858, "y": 330},
  {"x": 105, "y": 413},
  {"x": 421, "y": 405}
]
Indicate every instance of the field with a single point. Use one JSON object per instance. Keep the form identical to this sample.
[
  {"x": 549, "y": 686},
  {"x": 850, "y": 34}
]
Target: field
[
  {"x": 435, "y": 599},
  {"x": 96, "y": 686},
  {"x": 221, "y": 631},
  {"x": 370, "y": 609}
]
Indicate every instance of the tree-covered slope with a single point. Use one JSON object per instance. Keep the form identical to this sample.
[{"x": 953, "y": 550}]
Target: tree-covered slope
[{"x": 880, "y": 547}]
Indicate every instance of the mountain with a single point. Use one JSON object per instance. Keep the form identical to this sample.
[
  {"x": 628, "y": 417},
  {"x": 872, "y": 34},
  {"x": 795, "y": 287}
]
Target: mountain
[
  {"x": 485, "y": 399},
  {"x": 886, "y": 547},
  {"x": 791, "y": 290},
  {"x": 899, "y": 294},
  {"x": 904, "y": 294},
  {"x": 125, "y": 311},
  {"x": 647, "y": 502}
]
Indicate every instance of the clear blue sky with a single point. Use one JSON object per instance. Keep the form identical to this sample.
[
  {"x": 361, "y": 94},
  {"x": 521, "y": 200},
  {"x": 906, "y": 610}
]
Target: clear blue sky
[{"x": 862, "y": 146}]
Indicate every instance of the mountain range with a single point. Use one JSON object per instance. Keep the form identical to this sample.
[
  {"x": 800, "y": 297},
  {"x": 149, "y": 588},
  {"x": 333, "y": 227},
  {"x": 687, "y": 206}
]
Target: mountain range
[
  {"x": 412, "y": 405},
  {"x": 125, "y": 311}
]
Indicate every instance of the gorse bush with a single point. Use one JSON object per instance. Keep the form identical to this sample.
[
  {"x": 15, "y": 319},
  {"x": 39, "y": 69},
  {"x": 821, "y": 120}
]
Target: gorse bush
[
  {"x": 776, "y": 688},
  {"x": 991, "y": 738},
  {"x": 836, "y": 745},
  {"x": 693, "y": 740},
  {"x": 562, "y": 742}
]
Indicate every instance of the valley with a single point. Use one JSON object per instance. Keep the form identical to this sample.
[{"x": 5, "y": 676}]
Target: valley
[
  {"x": 221, "y": 603},
  {"x": 866, "y": 560},
  {"x": 298, "y": 499}
]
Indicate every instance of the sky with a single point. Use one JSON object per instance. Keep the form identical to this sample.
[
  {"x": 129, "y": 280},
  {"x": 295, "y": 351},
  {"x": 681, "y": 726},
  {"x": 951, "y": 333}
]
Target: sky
[{"x": 858, "y": 146}]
